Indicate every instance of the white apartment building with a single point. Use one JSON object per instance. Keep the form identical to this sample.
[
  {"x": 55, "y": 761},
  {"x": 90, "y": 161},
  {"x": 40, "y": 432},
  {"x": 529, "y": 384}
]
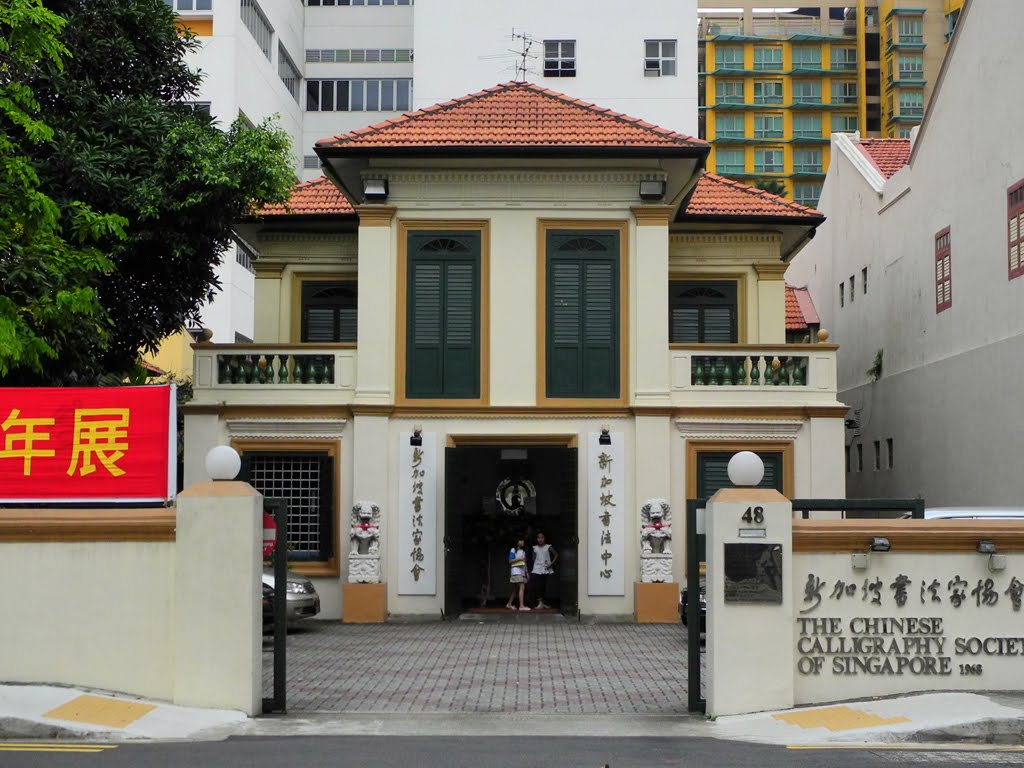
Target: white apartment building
[
  {"x": 920, "y": 268},
  {"x": 332, "y": 66}
]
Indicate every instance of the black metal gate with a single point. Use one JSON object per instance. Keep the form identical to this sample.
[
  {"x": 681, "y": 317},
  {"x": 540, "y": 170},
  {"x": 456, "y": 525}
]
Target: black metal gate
[
  {"x": 453, "y": 533},
  {"x": 278, "y": 509},
  {"x": 567, "y": 571},
  {"x": 696, "y": 546}
]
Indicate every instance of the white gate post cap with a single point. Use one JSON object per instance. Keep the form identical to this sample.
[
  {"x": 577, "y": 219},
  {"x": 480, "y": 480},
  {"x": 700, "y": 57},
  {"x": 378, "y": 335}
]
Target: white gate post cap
[
  {"x": 746, "y": 469},
  {"x": 223, "y": 463}
]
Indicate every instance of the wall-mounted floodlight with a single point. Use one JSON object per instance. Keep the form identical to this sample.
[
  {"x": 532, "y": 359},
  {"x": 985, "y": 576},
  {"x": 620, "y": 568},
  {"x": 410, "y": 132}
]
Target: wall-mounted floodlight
[
  {"x": 652, "y": 190},
  {"x": 986, "y": 547},
  {"x": 996, "y": 562},
  {"x": 880, "y": 544},
  {"x": 375, "y": 190}
]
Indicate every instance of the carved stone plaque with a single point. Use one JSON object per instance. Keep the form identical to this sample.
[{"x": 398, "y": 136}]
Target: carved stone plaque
[{"x": 753, "y": 573}]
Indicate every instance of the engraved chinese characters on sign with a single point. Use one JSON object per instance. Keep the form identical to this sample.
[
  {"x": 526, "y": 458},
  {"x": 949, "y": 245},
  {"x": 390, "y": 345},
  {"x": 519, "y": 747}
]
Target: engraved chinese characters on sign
[
  {"x": 417, "y": 516},
  {"x": 606, "y": 516}
]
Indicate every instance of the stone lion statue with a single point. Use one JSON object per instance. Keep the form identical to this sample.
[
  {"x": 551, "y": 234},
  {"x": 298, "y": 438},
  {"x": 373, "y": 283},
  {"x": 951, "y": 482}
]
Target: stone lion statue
[
  {"x": 365, "y": 528},
  {"x": 656, "y": 527}
]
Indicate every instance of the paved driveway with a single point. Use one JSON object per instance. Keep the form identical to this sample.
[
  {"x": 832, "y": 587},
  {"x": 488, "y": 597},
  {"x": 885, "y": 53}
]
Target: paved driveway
[{"x": 463, "y": 666}]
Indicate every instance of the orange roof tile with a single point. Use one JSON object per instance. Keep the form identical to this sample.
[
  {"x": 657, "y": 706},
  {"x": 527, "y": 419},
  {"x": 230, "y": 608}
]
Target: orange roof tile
[
  {"x": 318, "y": 197},
  {"x": 887, "y": 155},
  {"x": 718, "y": 196},
  {"x": 519, "y": 115},
  {"x": 800, "y": 310}
]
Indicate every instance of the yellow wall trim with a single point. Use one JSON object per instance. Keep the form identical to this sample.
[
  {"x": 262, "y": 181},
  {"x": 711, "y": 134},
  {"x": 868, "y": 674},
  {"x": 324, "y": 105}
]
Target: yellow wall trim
[
  {"x": 53, "y": 525},
  {"x": 375, "y": 215},
  {"x": 694, "y": 447},
  {"x": 298, "y": 278},
  {"x": 771, "y": 271},
  {"x": 653, "y": 215}
]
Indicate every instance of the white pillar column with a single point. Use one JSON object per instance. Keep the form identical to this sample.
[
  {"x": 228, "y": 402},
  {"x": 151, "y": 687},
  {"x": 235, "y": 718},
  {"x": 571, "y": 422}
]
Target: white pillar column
[
  {"x": 375, "y": 369},
  {"x": 218, "y": 614}
]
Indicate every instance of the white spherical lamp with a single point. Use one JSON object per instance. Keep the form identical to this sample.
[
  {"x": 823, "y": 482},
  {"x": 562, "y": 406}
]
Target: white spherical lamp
[
  {"x": 223, "y": 463},
  {"x": 746, "y": 469}
]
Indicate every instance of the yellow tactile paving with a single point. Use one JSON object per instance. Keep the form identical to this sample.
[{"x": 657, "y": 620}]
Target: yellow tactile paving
[
  {"x": 837, "y": 719},
  {"x": 99, "y": 710}
]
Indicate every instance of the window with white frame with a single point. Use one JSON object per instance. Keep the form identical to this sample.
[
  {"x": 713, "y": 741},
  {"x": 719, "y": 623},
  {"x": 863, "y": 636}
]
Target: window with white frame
[
  {"x": 806, "y": 57},
  {"x": 190, "y": 5},
  {"x": 358, "y": 55},
  {"x": 807, "y": 126},
  {"x": 257, "y": 24},
  {"x": 807, "y": 194},
  {"x": 767, "y": 58},
  {"x": 768, "y": 160},
  {"x": 559, "y": 58},
  {"x": 288, "y": 72},
  {"x": 728, "y": 57},
  {"x": 844, "y": 123},
  {"x": 350, "y": 95},
  {"x": 844, "y": 92},
  {"x": 911, "y": 103},
  {"x": 728, "y": 126},
  {"x": 807, "y": 161},
  {"x": 659, "y": 58},
  {"x": 807, "y": 92},
  {"x": 729, "y": 161},
  {"x": 768, "y": 126},
  {"x": 844, "y": 58},
  {"x": 911, "y": 67},
  {"x": 911, "y": 31},
  {"x": 767, "y": 92},
  {"x": 729, "y": 92}
]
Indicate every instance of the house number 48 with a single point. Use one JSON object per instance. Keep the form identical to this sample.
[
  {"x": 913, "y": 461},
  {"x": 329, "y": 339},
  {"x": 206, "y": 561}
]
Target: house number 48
[{"x": 753, "y": 515}]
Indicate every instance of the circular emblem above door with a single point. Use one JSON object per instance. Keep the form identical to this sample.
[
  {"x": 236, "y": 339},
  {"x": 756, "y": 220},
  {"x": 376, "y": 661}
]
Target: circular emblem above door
[{"x": 516, "y": 496}]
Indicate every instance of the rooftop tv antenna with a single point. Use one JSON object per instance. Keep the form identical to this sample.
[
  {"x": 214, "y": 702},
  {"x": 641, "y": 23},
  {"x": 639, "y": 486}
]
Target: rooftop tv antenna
[{"x": 524, "y": 43}]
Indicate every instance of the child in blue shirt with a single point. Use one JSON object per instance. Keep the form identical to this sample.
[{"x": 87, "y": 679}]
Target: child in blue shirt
[{"x": 517, "y": 577}]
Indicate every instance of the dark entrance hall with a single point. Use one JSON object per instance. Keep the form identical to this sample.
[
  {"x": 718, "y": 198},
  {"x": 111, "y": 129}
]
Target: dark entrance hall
[{"x": 493, "y": 494}]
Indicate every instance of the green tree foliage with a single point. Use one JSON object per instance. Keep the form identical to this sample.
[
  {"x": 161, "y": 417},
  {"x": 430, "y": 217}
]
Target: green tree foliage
[
  {"x": 772, "y": 186},
  {"x": 127, "y": 142},
  {"x": 48, "y": 265}
]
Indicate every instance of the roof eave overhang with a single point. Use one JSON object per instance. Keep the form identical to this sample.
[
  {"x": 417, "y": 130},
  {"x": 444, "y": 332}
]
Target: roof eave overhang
[
  {"x": 433, "y": 151},
  {"x": 801, "y": 221}
]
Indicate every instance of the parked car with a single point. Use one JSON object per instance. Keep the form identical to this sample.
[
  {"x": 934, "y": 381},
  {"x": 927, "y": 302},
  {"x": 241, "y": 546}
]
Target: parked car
[
  {"x": 268, "y": 608},
  {"x": 703, "y": 605},
  {"x": 974, "y": 513},
  {"x": 302, "y": 600}
]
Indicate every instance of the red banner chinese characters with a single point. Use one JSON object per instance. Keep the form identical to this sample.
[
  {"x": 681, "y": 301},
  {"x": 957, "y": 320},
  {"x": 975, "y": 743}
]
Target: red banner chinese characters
[{"x": 86, "y": 444}]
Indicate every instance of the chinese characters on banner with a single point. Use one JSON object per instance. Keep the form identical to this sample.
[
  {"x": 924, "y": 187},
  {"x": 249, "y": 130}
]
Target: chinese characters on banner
[
  {"x": 606, "y": 516},
  {"x": 417, "y": 516},
  {"x": 88, "y": 444}
]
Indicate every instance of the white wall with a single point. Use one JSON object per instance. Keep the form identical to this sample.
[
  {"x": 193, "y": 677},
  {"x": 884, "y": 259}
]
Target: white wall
[
  {"x": 944, "y": 374},
  {"x": 94, "y": 614},
  {"x": 462, "y": 46}
]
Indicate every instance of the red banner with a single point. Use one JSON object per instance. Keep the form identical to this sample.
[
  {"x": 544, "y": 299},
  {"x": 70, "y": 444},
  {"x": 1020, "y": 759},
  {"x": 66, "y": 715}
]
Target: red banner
[{"x": 87, "y": 444}]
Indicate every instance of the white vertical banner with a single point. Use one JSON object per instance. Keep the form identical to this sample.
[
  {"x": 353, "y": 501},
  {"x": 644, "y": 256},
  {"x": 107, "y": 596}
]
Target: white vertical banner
[
  {"x": 606, "y": 515},
  {"x": 417, "y": 515}
]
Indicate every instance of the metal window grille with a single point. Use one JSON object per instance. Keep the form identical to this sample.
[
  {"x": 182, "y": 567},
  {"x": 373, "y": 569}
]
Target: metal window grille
[
  {"x": 943, "y": 271},
  {"x": 1015, "y": 211},
  {"x": 310, "y": 162},
  {"x": 288, "y": 72},
  {"x": 349, "y": 95},
  {"x": 256, "y": 22},
  {"x": 305, "y": 480},
  {"x": 190, "y": 5},
  {"x": 659, "y": 58},
  {"x": 559, "y": 58},
  {"x": 245, "y": 258},
  {"x": 358, "y": 55}
]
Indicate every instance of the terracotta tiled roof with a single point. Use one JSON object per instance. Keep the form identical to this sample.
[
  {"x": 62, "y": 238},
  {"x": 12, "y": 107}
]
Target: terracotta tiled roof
[
  {"x": 887, "y": 155},
  {"x": 313, "y": 198},
  {"x": 519, "y": 115},
  {"x": 800, "y": 310},
  {"x": 718, "y": 196}
]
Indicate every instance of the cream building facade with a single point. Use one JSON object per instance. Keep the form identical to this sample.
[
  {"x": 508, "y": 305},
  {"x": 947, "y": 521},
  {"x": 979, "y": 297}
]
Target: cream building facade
[{"x": 484, "y": 328}]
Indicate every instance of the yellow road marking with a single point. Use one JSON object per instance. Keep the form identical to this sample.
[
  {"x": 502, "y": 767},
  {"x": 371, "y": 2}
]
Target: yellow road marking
[
  {"x": 76, "y": 748},
  {"x": 99, "y": 710},
  {"x": 914, "y": 747},
  {"x": 837, "y": 718}
]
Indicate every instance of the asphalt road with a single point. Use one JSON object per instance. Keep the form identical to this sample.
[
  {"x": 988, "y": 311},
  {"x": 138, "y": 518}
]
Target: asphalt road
[{"x": 482, "y": 752}]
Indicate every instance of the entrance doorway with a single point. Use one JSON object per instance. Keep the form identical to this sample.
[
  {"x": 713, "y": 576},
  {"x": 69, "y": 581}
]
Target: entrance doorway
[{"x": 494, "y": 494}]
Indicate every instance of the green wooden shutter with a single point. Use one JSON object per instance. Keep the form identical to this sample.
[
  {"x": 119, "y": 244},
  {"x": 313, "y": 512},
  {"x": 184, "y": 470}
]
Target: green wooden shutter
[
  {"x": 702, "y": 312},
  {"x": 713, "y": 474},
  {"x": 443, "y": 315},
  {"x": 582, "y": 333}
]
